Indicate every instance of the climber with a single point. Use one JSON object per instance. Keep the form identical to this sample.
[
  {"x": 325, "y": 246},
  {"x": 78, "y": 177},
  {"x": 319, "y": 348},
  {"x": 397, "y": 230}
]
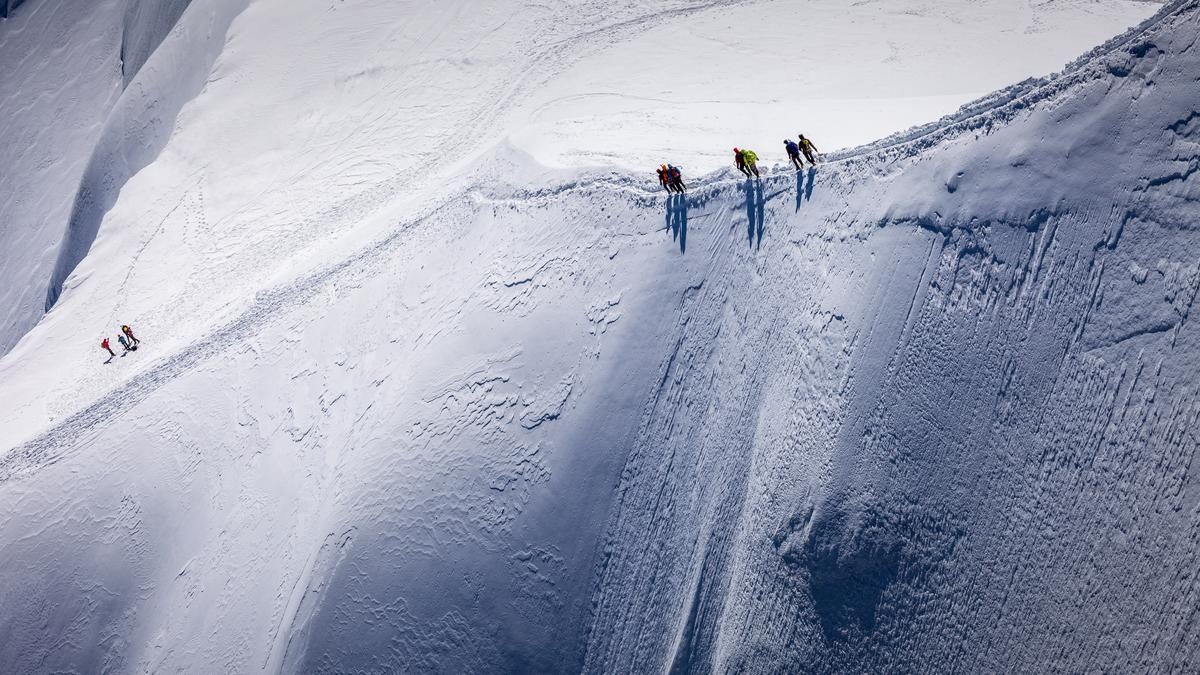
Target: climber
[
  {"x": 664, "y": 178},
  {"x": 793, "y": 152},
  {"x": 104, "y": 346},
  {"x": 739, "y": 160},
  {"x": 676, "y": 178},
  {"x": 125, "y": 343},
  {"x": 133, "y": 341},
  {"x": 750, "y": 160},
  {"x": 810, "y": 151}
]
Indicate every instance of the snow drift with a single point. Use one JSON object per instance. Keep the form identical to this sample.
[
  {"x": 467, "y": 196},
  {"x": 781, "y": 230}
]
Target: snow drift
[{"x": 930, "y": 403}]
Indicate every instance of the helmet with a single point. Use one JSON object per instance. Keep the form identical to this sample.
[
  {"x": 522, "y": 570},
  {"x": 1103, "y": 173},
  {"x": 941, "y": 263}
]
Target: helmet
[
  {"x": 736, "y": 150},
  {"x": 664, "y": 166}
]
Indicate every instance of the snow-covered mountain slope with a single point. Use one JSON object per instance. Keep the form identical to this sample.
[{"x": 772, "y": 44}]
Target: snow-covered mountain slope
[
  {"x": 929, "y": 404},
  {"x": 80, "y": 116},
  {"x": 940, "y": 414},
  {"x": 371, "y": 95}
]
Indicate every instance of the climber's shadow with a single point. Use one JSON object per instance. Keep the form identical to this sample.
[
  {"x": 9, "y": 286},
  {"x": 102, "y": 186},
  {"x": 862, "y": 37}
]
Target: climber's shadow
[
  {"x": 755, "y": 211},
  {"x": 677, "y": 219},
  {"x": 805, "y": 181}
]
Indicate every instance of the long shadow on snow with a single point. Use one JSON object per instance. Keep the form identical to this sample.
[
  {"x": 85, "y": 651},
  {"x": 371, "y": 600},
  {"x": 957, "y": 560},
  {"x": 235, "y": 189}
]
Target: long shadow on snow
[
  {"x": 677, "y": 219},
  {"x": 755, "y": 211},
  {"x": 804, "y": 186}
]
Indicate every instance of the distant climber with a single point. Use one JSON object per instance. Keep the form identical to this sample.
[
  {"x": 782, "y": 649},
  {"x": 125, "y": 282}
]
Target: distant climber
[
  {"x": 104, "y": 346},
  {"x": 749, "y": 161},
  {"x": 133, "y": 341},
  {"x": 739, "y": 160},
  {"x": 810, "y": 151},
  {"x": 126, "y": 344},
  {"x": 675, "y": 176},
  {"x": 664, "y": 178},
  {"x": 793, "y": 152}
]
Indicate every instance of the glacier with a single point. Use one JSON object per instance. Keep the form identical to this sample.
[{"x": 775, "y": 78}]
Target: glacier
[{"x": 927, "y": 407}]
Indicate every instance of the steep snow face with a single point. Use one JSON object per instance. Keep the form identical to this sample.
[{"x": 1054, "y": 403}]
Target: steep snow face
[
  {"x": 943, "y": 408},
  {"x": 142, "y": 121},
  {"x": 65, "y": 66},
  {"x": 927, "y": 404},
  {"x": 59, "y": 75}
]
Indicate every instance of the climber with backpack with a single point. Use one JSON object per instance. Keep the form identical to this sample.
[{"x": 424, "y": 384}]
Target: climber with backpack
[
  {"x": 675, "y": 176},
  {"x": 133, "y": 341},
  {"x": 793, "y": 152},
  {"x": 739, "y": 160},
  {"x": 810, "y": 151},
  {"x": 749, "y": 161},
  {"x": 664, "y": 178}
]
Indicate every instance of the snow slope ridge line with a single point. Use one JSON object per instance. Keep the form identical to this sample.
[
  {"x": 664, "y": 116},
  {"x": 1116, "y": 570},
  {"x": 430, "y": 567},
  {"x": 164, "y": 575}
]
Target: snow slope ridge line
[
  {"x": 39, "y": 451},
  {"x": 1004, "y": 104},
  {"x": 989, "y": 111}
]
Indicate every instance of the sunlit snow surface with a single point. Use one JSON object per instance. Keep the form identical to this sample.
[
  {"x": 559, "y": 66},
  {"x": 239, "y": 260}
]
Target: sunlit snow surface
[
  {"x": 359, "y": 100},
  {"x": 408, "y": 400},
  {"x": 844, "y": 73}
]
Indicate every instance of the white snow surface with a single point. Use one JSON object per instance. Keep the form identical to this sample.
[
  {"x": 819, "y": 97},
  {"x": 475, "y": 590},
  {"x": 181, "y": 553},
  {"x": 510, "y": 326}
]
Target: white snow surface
[
  {"x": 373, "y": 96},
  {"x": 413, "y": 401}
]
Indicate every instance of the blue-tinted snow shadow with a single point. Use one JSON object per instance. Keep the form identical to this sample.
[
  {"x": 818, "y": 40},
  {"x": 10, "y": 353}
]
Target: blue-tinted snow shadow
[
  {"x": 805, "y": 181},
  {"x": 755, "y": 211},
  {"x": 677, "y": 219}
]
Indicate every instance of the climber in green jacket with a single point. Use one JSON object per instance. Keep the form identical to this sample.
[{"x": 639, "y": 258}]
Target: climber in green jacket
[{"x": 749, "y": 163}]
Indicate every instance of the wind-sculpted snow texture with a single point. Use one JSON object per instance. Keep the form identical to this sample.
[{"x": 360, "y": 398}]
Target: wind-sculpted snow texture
[
  {"x": 927, "y": 407},
  {"x": 944, "y": 419}
]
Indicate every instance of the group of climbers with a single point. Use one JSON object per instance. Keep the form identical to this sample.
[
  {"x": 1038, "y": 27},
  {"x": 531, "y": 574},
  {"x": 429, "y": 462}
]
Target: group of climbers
[
  {"x": 671, "y": 178},
  {"x": 127, "y": 340}
]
